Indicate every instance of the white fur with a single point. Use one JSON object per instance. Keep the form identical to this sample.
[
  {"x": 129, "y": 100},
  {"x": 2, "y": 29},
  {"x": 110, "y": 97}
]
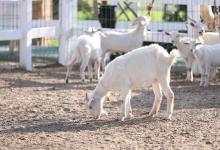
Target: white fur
[
  {"x": 124, "y": 41},
  {"x": 142, "y": 67},
  {"x": 204, "y": 37},
  {"x": 88, "y": 51},
  {"x": 209, "y": 38},
  {"x": 208, "y": 57},
  {"x": 184, "y": 45}
]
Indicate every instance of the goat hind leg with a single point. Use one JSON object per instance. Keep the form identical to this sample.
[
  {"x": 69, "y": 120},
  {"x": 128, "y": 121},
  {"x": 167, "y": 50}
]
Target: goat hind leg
[
  {"x": 69, "y": 68},
  {"x": 90, "y": 70},
  {"x": 157, "y": 100},
  {"x": 170, "y": 98},
  {"x": 83, "y": 68}
]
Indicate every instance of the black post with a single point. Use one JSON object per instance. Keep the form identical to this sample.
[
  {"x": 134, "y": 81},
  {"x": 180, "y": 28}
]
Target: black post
[{"x": 107, "y": 15}]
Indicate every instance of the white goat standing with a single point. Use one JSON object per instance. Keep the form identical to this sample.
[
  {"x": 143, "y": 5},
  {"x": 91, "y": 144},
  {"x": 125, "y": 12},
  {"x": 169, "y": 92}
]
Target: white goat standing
[
  {"x": 209, "y": 38},
  {"x": 208, "y": 57},
  {"x": 145, "y": 66},
  {"x": 200, "y": 34},
  {"x": 185, "y": 51},
  {"x": 88, "y": 51},
  {"x": 124, "y": 41}
]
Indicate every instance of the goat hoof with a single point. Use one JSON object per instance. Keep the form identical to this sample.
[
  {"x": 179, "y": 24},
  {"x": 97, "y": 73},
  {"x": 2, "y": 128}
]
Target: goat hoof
[
  {"x": 84, "y": 81},
  {"x": 206, "y": 85},
  {"x": 121, "y": 118},
  {"x": 170, "y": 117},
  {"x": 152, "y": 114},
  {"x": 130, "y": 115},
  {"x": 67, "y": 81},
  {"x": 104, "y": 113}
]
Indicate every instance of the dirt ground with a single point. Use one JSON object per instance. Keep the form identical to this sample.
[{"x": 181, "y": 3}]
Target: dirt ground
[{"x": 39, "y": 111}]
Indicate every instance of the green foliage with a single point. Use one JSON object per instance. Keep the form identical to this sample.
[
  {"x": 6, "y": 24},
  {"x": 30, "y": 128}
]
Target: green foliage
[
  {"x": 55, "y": 9},
  {"x": 55, "y": 43},
  {"x": 84, "y": 10},
  {"x": 178, "y": 15}
]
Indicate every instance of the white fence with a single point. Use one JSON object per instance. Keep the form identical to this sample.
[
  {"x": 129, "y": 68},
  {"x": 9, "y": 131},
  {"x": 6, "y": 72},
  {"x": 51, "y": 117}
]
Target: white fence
[{"x": 25, "y": 28}]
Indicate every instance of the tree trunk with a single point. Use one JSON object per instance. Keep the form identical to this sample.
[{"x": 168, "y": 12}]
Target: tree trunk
[{"x": 95, "y": 9}]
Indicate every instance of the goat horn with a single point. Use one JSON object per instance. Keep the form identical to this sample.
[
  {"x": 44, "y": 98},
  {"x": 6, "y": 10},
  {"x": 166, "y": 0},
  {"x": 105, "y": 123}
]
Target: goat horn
[{"x": 167, "y": 33}]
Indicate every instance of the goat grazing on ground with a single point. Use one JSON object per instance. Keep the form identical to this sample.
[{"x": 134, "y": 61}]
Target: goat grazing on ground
[{"x": 142, "y": 67}]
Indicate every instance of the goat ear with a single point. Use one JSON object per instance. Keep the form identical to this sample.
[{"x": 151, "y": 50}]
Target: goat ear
[
  {"x": 187, "y": 43},
  {"x": 198, "y": 44},
  {"x": 192, "y": 24},
  {"x": 168, "y": 33},
  {"x": 192, "y": 20}
]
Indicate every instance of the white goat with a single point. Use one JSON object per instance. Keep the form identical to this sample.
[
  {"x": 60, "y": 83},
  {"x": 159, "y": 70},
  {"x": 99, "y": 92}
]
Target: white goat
[
  {"x": 208, "y": 57},
  {"x": 142, "y": 67},
  {"x": 124, "y": 41},
  {"x": 185, "y": 51},
  {"x": 209, "y": 38},
  {"x": 88, "y": 51}
]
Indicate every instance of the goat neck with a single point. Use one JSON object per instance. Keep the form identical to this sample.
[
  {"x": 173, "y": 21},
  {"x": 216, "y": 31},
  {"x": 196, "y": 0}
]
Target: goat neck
[{"x": 100, "y": 91}]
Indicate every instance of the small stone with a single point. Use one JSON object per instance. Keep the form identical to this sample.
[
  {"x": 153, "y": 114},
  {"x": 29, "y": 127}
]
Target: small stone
[
  {"x": 208, "y": 142},
  {"x": 23, "y": 138},
  {"x": 66, "y": 109}
]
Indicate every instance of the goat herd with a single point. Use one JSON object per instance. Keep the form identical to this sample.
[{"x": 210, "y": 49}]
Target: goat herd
[{"x": 141, "y": 66}]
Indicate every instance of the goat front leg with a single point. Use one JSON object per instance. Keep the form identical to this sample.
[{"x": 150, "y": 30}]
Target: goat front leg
[
  {"x": 189, "y": 76},
  {"x": 202, "y": 81},
  {"x": 189, "y": 63},
  {"x": 125, "y": 97},
  {"x": 129, "y": 109},
  {"x": 213, "y": 71},
  {"x": 207, "y": 76}
]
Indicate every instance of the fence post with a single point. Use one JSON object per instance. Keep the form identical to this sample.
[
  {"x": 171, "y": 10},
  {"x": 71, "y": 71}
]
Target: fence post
[
  {"x": 26, "y": 40},
  {"x": 193, "y": 11},
  {"x": 67, "y": 18}
]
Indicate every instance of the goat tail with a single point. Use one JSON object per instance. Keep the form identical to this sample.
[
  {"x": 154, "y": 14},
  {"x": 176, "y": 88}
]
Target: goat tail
[
  {"x": 173, "y": 55},
  {"x": 73, "y": 55}
]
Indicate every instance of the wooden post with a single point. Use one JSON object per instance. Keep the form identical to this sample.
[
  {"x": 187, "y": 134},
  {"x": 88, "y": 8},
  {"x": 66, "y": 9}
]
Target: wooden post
[{"x": 26, "y": 40}]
